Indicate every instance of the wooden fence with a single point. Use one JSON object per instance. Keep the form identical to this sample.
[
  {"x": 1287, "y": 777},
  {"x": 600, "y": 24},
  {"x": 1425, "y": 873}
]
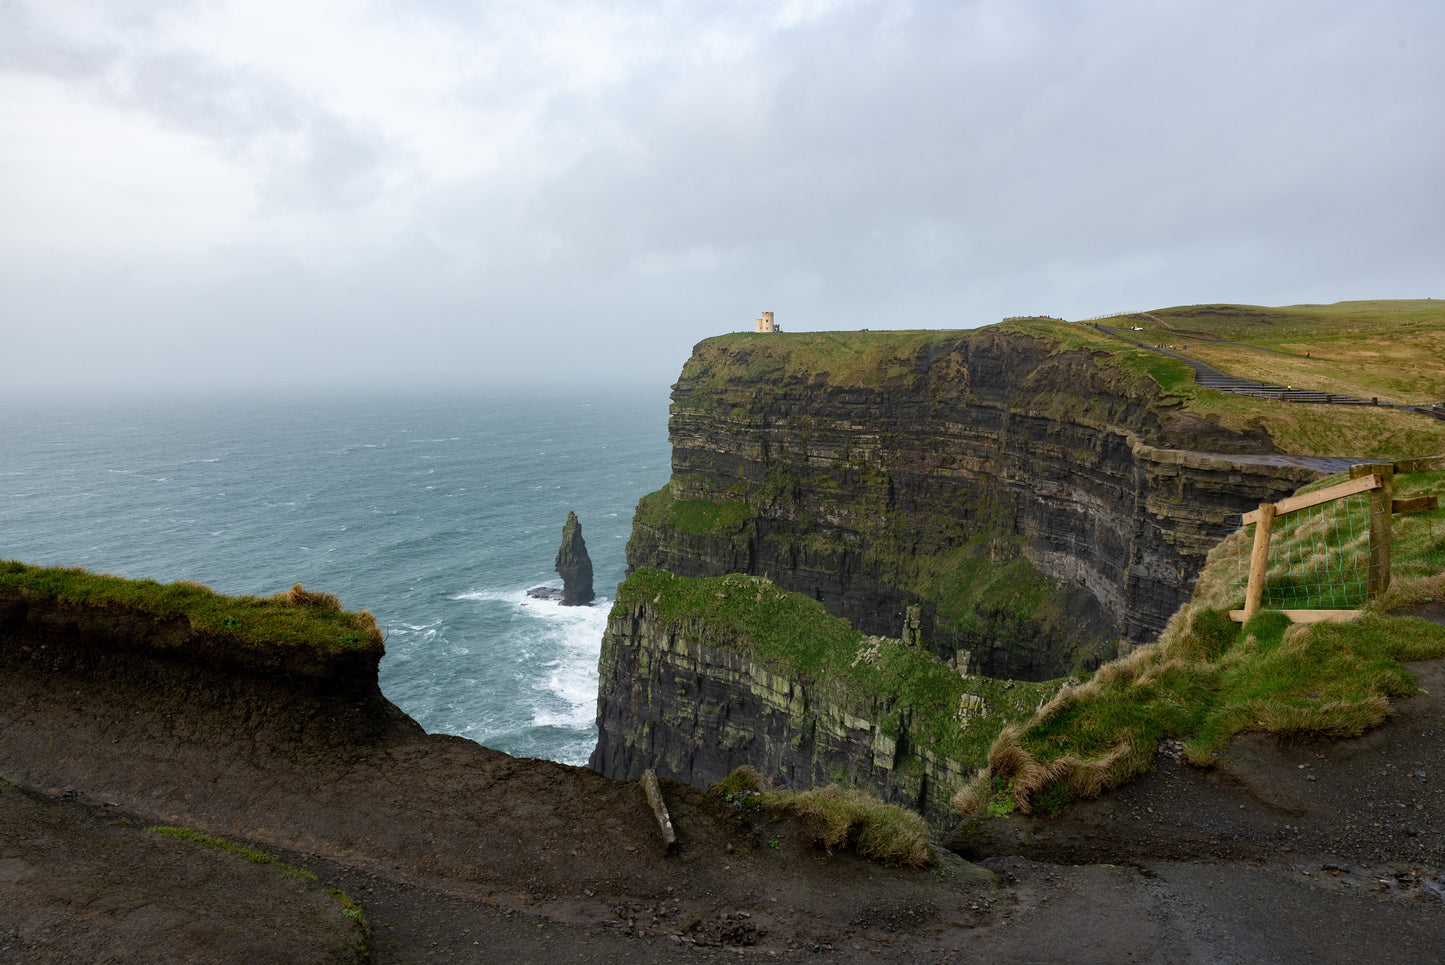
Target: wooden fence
[{"x": 1378, "y": 479}]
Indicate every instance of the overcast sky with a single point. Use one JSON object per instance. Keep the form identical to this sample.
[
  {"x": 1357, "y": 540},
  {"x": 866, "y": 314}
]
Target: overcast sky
[{"x": 259, "y": 192}]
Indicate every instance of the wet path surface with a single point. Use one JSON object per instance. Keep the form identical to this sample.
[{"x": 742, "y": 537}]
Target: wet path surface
[{"x": 1329, "y": 465}]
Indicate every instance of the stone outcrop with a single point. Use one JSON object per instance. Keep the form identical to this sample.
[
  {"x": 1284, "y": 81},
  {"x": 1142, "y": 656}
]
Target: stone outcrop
[{"x": 574, "y": 565}]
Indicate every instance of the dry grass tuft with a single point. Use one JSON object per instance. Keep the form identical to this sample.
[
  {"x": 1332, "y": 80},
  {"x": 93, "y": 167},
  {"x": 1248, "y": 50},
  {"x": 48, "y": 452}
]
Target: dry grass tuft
[
  {"x": 1336, "y": 718},
  {"x": 744, "y": 778},
  {"x": 1090, "y": 777},
  {"x": 1128, "y": 668},
  {"x": 974, "y": 796},
  {"x": 1019, "y": 771},
  {"x": 1023, "y": 777},
  {"x": 298, "y": 595},
  {"x": 838, "y": 818},
  {"x": 1411, "y": 591},
  {"x": 843, "y": 818}
]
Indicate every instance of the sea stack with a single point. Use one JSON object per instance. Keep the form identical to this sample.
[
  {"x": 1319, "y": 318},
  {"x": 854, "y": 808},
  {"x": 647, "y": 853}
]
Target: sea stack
[{"x": 574, "y": 565}]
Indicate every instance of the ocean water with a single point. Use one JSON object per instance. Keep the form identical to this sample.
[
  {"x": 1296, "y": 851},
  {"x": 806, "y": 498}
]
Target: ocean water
[{"x": 435, "y": 512}]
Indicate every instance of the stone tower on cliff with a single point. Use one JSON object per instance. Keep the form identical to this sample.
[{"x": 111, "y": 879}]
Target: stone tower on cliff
[{"x": 766, "y": 323}]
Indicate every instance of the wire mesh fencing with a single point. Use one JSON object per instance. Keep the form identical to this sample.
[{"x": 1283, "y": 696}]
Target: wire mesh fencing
[{"x": 1319, "y": 557}]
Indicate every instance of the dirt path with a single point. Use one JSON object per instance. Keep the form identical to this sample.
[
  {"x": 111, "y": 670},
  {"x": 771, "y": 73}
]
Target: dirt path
[
  {"x": 1318, "y": 852},
  {"x": 1211, "y": 378}
]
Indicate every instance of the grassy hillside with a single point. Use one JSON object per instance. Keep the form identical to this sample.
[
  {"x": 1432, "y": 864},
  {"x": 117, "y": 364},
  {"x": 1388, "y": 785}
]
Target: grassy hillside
[
  {"x": 1208, "y": 678},
  {"x": 1389, "y": 350},
  {"x": 1379, "y": 349},
  {"x": 1386, "y": 349}
]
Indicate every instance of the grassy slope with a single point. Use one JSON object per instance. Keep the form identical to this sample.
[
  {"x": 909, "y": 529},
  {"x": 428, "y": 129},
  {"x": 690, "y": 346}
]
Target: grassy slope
[
  {"x": 1389, "y": 349},
  {"x": 1385, "y": 349},
  {"x": 1208, "y": 678},
  {"x": 294, "y": 620}
]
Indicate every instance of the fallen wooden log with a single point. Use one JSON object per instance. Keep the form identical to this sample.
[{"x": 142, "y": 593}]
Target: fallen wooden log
[{"x": 659, "y": 808}]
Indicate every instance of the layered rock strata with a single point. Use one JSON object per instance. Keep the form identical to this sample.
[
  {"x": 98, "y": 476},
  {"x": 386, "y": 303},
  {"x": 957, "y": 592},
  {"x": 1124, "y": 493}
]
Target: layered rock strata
[
  {"x": 1021, "y": 510},
  {"x": 697, "y": 709},
  {"x": 946, "y": 459},
  {"x": 574, "y": 565}
]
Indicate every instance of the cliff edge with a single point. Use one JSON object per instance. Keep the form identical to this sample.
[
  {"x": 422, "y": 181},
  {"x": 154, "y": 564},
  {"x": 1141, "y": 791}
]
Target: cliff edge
[{"x": 1038, "y": 504}]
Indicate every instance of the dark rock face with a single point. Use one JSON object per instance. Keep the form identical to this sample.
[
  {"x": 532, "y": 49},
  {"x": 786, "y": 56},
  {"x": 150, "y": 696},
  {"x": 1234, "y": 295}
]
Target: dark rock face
[
  {"x": 988, "y": 448},
  {"x": 249, "y": 695},
  {"x": 574, "y": 565},
  {"x": 1018, "y": 509},
  {"x": 695, "y": 709}
]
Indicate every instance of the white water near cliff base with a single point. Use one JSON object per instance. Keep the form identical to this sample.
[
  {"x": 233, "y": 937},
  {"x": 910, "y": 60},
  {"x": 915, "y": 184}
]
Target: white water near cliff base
[{"x": 434, "y": 513}]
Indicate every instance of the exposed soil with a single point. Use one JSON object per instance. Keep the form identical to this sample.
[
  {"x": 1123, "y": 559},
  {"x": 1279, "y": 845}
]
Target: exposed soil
[{"x": 1283, "y": 853}]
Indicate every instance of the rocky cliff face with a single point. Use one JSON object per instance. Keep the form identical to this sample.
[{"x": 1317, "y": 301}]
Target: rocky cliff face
[
  {"x": 1040, "y": 508},
  {"x": 574, "y": 565},
  {"x": 1038, "y": 504},
  {"x": 697, "y": 709}
]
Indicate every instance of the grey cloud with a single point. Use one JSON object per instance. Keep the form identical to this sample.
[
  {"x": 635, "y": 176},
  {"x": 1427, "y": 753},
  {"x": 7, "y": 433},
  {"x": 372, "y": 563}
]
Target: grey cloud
[
  {"x": 885, "y": 164},
  {"x": 325, "y": 161}
]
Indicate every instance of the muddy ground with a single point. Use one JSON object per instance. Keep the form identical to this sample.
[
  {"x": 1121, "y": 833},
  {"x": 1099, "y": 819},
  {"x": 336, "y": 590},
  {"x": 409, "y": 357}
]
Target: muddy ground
[{"x": 1284, "y": 853}]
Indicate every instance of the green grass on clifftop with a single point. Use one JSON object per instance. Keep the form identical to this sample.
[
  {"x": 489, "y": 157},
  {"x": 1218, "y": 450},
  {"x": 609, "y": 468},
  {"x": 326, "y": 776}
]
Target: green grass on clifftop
[
  {"x": 1386, "y": 349},
  {"x": 867, "y": 359},
  {"x": 295, "y": 619},
  {"x": 791, "y": 635},
  {"x": 1208, "y": 679},
  {"x": 1389, "y": 350},
  {"x": 696, "y": 516}
]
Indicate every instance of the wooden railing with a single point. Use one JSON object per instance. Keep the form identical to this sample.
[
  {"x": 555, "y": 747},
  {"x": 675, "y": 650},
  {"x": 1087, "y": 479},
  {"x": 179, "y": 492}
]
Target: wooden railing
[{"x": 1378, "y": 479}]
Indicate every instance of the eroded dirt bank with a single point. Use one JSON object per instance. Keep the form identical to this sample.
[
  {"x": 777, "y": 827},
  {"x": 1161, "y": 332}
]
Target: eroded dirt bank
[{"x": 458, "y": 853}]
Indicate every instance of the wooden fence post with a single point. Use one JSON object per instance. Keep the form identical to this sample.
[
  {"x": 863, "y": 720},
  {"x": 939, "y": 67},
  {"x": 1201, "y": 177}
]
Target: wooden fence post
[
  {"x": 1258, "y": 561},
  {"x": 1381, "y": 525}
]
